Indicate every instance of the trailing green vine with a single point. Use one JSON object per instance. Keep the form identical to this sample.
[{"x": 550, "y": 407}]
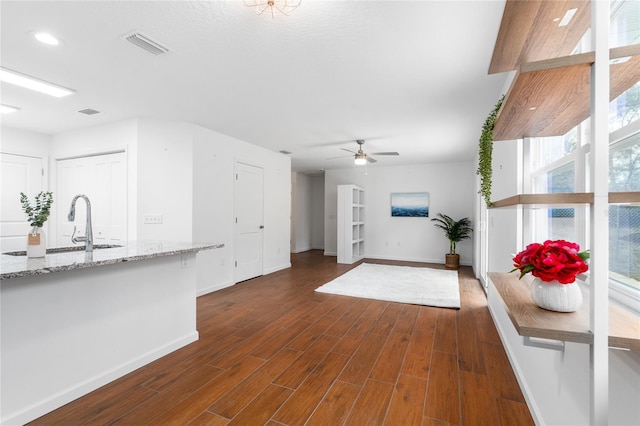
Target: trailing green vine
[{"x": 485, "y": 151}]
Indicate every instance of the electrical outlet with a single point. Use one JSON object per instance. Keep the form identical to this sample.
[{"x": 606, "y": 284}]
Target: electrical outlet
[
  {"x": 152, "y": 219},
  {"x": 184, "y": 262}
]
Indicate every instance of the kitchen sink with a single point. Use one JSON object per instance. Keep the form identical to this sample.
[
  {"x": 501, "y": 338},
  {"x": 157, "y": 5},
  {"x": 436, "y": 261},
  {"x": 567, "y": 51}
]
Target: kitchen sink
[{"x": 65, "y": 249}]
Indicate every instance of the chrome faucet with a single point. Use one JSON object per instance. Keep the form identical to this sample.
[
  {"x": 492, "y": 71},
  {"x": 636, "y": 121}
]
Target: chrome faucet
[{"x": 88, "y": 238}]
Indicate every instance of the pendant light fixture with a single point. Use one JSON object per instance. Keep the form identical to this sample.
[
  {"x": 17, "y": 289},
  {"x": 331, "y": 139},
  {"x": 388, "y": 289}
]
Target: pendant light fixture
[
  {"x": 361, "y": 158},
  {"x": 285, "y": 7}
]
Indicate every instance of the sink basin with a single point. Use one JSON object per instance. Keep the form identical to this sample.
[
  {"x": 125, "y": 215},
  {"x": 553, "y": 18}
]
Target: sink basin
[{"x": 64, "y": 249}]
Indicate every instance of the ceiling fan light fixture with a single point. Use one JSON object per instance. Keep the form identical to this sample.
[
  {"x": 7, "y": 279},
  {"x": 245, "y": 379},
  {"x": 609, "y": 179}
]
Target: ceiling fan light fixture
[
  {"x": 285, "y": 7},
  {"x": 361, "y": 159}
]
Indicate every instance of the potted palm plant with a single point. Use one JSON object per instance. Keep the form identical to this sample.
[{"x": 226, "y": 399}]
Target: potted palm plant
[{"x": 455, "y": 231}]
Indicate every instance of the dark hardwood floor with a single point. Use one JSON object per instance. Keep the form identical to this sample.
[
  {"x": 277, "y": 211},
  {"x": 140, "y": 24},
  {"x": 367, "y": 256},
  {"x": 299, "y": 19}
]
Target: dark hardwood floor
[{"x": 274, "y": 352}]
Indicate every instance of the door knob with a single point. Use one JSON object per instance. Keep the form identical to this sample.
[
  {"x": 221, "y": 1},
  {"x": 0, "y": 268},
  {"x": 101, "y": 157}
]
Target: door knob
[{"x": 261, "y": 226}]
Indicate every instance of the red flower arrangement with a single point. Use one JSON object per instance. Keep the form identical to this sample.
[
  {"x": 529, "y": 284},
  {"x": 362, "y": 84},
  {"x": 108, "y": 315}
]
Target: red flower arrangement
[{"x": 553, "y": 260}]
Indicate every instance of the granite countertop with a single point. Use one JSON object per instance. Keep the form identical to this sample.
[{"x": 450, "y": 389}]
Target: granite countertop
[{"x": 21, "y": 266}]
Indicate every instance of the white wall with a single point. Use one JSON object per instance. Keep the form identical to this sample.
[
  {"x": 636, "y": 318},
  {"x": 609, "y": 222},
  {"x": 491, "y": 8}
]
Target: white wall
[
  {"x": 165, "y": 180},
  {"x": 503, "y": 224},
  {"x": 307, "y": 213},
  {"x": 451, "y": 191},
  {"x": 24, "y": 142},
  {"x": 317, "y": 212},
  {"x": 214, "y": 157},
  {"x": 301, "y": 212}
]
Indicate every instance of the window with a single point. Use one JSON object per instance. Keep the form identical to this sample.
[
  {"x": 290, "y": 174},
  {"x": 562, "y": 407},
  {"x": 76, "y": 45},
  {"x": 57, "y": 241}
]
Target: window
[
  {"x": 625, "y": 23},
  {"x": 625, "y": 109},
  {"x": 560, "y": 164},
  {"x": 554, "y": 171},
  {"x": 624, "y": 220},
  {"x": 556, "y": 223}
]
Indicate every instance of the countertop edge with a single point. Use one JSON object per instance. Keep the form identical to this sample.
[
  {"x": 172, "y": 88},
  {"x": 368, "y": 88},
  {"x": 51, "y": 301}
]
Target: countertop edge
[{"x": 76, "y": 262}]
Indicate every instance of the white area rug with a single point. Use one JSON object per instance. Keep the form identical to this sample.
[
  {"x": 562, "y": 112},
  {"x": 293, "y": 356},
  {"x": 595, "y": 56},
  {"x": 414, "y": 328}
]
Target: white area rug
[{"x": 404, "y": 284}]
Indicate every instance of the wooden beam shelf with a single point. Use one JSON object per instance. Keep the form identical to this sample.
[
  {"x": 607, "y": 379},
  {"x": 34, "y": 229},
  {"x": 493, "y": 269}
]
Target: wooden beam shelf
[
  {"x": 533, "y": 321},
  {"x": 550, "y": 97},
  {"x": 532, "y": 200}
]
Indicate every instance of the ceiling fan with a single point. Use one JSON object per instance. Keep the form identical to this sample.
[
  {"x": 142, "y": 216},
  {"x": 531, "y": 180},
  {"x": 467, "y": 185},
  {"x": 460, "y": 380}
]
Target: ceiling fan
[{"x": 361, "y": 157}]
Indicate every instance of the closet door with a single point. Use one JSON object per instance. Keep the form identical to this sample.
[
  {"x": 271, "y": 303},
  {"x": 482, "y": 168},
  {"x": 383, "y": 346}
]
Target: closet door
[
  {"x": 103, "y": 179},
  {"x": 19, "y": 173}
]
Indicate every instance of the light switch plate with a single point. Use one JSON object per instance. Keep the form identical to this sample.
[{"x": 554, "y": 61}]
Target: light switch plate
[{"x": 152, "y": 219}]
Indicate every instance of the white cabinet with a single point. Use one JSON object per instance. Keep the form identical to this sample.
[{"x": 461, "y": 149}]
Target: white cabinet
[{"x": 351, "y": 217}]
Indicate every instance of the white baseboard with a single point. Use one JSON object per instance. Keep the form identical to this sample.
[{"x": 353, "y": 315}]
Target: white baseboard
[
  {"x": 301, "y": 250},
  {"x": 277, "y": 268},
  {"x": 330, "y": 253},
  {"x": 216, "y": 287},
  {"x": 58, "y": 400},
  {"x": 439, "y": 261}
]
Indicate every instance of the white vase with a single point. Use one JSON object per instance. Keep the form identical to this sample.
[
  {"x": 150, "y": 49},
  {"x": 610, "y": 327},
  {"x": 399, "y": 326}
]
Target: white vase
[
  {"x": 555, "y": 296},
  {"x": 37, "y": 250}
]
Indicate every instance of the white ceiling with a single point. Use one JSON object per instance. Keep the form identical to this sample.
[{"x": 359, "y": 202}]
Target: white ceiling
[{"x": 407, "y": 76}]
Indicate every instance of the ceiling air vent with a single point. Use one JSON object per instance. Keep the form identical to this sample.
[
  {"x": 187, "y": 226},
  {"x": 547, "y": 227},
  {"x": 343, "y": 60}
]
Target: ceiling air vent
[
  {"x": 146, "y": 43},
  {"x": 88, "y": 111}
]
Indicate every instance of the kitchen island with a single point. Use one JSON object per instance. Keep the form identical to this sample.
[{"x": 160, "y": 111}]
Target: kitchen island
[{"x": 74, "y": 321}]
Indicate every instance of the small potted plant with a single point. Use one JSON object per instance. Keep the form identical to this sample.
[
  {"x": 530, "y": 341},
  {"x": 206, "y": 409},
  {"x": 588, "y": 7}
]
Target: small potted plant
[
  {"x": 455, "y": 231},
  {"x": 38, "y": 215}
]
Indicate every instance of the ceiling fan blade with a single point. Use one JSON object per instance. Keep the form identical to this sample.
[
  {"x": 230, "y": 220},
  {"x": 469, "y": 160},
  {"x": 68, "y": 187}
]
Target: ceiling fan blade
[
  {"x": 348, "y": 150},
  {"x": 341, "y": 156},
  {"x": 385, "y": 153},
  {"x": 371, "y": 160}
]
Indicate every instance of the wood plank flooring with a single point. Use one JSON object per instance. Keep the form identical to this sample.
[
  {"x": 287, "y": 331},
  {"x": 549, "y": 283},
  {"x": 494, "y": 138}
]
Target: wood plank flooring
[{"x": 274, "y": 352}]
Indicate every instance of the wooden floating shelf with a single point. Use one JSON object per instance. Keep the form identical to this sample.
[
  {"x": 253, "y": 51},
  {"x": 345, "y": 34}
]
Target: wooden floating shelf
[
  {"x": 529, "y": 32},
  {"x": 533, "y": 321},
  {"x": 564, "y": 199},
  {"x": 542, "y": 199},
  {"x": 631, "y": 197},
  {"x": 550, "y": 97}
]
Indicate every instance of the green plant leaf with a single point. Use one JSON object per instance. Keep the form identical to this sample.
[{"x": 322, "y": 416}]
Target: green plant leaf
[{"x": 39, "y": 214}]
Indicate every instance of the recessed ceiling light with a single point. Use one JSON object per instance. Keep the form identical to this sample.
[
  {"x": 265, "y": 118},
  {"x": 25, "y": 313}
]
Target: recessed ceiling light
[
  {"x": 567, "y": 17},
  {"x": 47, "y": 38},
  {"x": 32, "y": 83},
  {"x": 7, "y": 109}
]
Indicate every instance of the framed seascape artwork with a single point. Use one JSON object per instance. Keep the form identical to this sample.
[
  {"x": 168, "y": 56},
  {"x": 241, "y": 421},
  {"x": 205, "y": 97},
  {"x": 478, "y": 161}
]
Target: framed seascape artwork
[{"x": 410, "y": 204}]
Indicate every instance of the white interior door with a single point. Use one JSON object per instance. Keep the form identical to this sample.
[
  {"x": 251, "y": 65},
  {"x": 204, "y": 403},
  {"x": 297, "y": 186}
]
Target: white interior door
[
  {"x": 102, "y": 178},
  {"x": 19, "y": 174},
  {"x": 248, "y": 207}
]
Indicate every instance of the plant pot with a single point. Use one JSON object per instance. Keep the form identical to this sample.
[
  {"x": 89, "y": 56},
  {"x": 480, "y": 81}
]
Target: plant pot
[
  {"x": 36, "y": 244},
  {"x": 452, "y": 261},
  {"x": 555, "y": 296}
]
